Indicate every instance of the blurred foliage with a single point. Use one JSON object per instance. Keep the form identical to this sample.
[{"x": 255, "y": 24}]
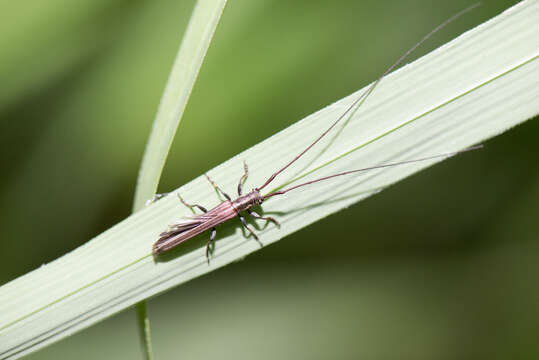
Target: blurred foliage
[{"x": 439, "y": 266}]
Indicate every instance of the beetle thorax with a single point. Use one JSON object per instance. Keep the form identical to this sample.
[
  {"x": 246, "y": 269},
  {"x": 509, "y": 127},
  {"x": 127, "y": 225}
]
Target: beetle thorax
[{"x": 246, "y": 201}]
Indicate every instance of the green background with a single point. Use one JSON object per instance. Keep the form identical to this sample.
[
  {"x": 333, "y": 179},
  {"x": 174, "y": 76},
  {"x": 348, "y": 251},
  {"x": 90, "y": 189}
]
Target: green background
[{"x": 440, "y": 266}]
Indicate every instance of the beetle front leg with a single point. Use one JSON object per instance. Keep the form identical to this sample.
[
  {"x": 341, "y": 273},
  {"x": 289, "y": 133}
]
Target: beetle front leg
[
  {"x": 243, "y": 177},
  {"x": 244, "y": 224},
  {"x": 267, "y": 218}
]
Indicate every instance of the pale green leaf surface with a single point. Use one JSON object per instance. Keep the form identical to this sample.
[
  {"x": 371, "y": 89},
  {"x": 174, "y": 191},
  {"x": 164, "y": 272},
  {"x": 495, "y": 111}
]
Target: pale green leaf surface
[{"x": 470, "y": 89}]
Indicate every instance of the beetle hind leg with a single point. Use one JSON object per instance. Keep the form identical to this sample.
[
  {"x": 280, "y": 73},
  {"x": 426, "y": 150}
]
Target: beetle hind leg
[
  {"x": 210, "y": 246},
  {"x": 200, "y": 207}
]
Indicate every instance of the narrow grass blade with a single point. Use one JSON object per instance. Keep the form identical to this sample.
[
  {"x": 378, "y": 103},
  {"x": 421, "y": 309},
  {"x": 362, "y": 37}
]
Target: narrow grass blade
[{"x": 179, "y": 86}]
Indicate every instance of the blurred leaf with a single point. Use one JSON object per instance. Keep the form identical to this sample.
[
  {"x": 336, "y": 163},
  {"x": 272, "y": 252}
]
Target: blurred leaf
[{"x": 44, "y": 41}]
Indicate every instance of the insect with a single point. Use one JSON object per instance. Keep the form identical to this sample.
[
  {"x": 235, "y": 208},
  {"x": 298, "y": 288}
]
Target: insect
[{"x": 186, "y": 229}]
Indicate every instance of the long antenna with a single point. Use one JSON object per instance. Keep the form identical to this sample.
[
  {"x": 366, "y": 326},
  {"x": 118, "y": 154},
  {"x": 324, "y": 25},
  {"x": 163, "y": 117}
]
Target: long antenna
[
  {"x": 369, "y": 90},
  {"x": 450, "y": 154}
]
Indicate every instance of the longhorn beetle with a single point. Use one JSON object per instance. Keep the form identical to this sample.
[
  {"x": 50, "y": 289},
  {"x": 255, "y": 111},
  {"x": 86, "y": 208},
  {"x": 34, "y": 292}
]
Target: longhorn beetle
[{"x": 186, "y": 229}]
